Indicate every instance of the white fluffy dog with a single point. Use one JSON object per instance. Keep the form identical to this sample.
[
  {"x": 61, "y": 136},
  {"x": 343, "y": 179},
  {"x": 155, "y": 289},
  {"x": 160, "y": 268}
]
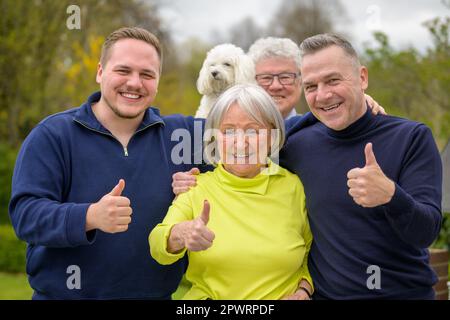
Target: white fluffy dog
[{"x": 225, "y": 65}]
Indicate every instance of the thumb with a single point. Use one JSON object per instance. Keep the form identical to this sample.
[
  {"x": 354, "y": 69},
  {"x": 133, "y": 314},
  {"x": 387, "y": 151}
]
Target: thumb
[
  {"x": 205, "y": 213},
  {"x": 370, "y": 156},
  {"x": 194, "y": 171},
  {"x": 117, "y": 190}
]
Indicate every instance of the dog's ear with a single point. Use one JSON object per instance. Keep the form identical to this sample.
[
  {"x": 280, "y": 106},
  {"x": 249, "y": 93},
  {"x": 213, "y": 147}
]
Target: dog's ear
[
  {"x": 203, "y": 85},
  {"x": 244, "y": 71}
]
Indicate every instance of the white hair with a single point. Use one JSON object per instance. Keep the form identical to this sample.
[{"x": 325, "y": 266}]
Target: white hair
[
  {"x": 254, "y": 101},
  {"x": 271, "y": 47}
]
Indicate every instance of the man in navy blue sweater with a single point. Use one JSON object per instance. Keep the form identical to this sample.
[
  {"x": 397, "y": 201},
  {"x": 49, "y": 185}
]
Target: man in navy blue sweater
[
  {"x": 90, "y": 184},
  {"x": 372, "y": 184}
]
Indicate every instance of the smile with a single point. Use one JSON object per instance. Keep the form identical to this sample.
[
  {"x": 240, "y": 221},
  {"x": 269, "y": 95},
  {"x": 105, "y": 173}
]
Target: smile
[
  {"x": 332, "y": 107},
  {"x": 130, "y": 95}
]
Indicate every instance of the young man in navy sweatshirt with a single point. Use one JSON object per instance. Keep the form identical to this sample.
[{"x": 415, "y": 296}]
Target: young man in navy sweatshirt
[
  {"x": 372, "y": 184},
  {"x": 90, "y": 184}
]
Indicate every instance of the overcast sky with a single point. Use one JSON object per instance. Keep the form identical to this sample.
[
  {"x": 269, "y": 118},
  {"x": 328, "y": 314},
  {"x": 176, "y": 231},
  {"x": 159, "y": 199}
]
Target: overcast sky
[{"x": 401, "y": 20}]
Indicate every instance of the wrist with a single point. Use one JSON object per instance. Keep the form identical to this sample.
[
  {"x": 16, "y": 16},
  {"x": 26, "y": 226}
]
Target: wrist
[
  {"x": 305, "y": 290},
  {"x": 90, "y": 220},
  {"x": 175, "y": 241}
]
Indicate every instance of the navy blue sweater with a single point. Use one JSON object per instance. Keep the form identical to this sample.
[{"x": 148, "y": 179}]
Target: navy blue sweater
[
  {"x": 348, "y": 238},
  {"x": 70, "y": 161}
]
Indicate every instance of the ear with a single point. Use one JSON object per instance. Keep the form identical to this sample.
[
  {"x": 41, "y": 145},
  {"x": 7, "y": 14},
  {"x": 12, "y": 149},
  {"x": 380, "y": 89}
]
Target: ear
[
  {"x": 98, "y": 78},
  {"x": 364, "y": 77},
  {"x": 244, "y": 70},
  {"x": 203, "y": 86}
]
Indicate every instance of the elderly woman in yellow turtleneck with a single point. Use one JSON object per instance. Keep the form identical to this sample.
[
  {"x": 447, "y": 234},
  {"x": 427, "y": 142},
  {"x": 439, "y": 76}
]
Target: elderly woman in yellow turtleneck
[{"x": 244, "y": 226}]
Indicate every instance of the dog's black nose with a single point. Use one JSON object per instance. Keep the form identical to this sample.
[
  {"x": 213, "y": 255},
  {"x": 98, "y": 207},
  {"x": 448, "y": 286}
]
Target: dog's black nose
[{"x": 214, "y": 73}]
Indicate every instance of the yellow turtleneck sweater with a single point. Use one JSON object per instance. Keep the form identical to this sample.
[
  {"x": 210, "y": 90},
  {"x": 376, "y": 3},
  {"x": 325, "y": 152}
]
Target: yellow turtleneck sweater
[{"x": 262, "y": 235}]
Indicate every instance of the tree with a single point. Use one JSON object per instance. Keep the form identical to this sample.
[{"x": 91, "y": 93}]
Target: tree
[
  {"x": 300, "y": 19},
  {"x": 245, "y": 32}
]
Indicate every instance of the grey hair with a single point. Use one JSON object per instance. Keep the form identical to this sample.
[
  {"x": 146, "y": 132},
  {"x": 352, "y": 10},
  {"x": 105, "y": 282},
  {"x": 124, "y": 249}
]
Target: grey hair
[
  {"x": 271, "y": 47},
  {"x": 321, "y": 41},
  {"x": 254, "y": 101}
]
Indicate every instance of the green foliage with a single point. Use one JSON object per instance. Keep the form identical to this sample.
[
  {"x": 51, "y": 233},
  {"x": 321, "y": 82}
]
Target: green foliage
[
  {"x": 8, "y": 156},
  {"x": 14, "y": 287},
  {"x": 411, "y": 84},
  {"x": 12, "y": 251},
  {"x": 443, "y": 240}
]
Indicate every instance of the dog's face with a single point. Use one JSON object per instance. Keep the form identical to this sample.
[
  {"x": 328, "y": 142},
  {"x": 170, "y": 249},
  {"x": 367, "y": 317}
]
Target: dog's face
[{"x": 225, "y": 66}]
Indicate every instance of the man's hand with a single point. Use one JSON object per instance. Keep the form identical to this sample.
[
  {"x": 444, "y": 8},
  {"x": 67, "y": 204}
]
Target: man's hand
[
  {"x": 112, "y": 213},
  {"x": 369, "y": 186},
  {"x": 376, "y": 108},
  {"x": 301, "y": 294},
  {"x": 182, "y": 181},
  {"x": 193, "y": 235}
]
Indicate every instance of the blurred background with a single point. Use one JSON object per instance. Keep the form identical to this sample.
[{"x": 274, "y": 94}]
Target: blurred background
[{"x": 49, "y": 52}]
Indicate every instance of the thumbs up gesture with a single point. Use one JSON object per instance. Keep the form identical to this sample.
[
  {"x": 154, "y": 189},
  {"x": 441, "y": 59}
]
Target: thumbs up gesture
[
  {"x": 112, "y": 213},
  {"x": 369, "y": 186},
  {"x": 193, "y": 235}
]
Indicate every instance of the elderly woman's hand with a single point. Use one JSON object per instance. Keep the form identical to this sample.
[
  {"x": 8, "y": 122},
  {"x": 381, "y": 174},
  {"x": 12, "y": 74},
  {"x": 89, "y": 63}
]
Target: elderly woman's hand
[{"x": 193, "y": 235}]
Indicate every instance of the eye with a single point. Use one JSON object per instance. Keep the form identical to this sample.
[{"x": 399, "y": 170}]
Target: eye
[
  {"x": 228, "y": 132},
  {"x": 310, "y": 88},
  {"x": 148, "y": 76},
  {"x": 333, "y": 81},
  {"x": 226, "y": 64}
]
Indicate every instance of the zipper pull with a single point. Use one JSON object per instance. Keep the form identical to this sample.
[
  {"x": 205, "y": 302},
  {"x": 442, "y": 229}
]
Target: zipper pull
[{"x": 125, "y": 151}]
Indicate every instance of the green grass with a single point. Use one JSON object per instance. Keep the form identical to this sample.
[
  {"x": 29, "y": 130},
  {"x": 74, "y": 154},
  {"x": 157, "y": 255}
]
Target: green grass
[{"x": 14, "y": 287}]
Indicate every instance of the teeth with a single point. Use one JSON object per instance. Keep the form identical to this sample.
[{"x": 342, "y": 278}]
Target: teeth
[
  {"x": 331, "y": 107},
  {"x": 130, "y": 95},
  {"x": 241, "y": 155}
]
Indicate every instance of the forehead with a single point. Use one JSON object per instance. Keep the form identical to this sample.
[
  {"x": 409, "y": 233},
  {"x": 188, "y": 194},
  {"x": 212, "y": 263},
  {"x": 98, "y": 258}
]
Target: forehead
[
  {"x": 329, "y": 60},
  {"x": 276, "y": 65},
  {"x": 236, "y": 115},
  {"x": 134, "y": 54}
]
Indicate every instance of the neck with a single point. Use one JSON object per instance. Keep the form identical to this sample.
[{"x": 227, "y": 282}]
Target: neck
[{"x": 121, "y": 128}]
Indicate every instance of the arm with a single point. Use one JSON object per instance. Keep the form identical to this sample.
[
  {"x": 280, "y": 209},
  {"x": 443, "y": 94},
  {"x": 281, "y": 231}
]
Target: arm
[
  {"x": 180, "y": 231},
  {"x": 306, "y": 282},
  {"x": 415, "y": 209},
  {"x": 37, "y": 210},
  {"x": 412, "y": 203}
]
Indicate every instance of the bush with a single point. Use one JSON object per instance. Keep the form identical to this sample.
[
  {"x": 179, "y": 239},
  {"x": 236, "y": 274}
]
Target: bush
[
  {"x": 443, "y": 240},
  {"x": 8, "y": 158},
  {"x": 12, "y": 251}
]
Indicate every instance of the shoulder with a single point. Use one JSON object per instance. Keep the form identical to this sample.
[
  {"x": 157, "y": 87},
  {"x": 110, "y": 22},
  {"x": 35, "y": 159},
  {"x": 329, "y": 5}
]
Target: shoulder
[
  {"x": 299, "y": 122},
  {"x": 54, "y": 125},
  {"x": 177, "y": 121},
  {"x": 288, "y": 179},
  {"x": 405, "y": 127}
]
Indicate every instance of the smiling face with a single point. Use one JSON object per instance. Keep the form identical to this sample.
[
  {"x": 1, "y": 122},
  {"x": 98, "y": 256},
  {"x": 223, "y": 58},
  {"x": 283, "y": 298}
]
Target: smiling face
[
  {"x": 285, "y": 96},
  {"x": 129, "y": 78},
  {"x": 243, "y": 143},
  {"x": 334, "y": 87}
]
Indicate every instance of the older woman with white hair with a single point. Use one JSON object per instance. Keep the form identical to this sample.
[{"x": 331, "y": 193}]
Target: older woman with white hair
[{"x": 244, "y": 225}]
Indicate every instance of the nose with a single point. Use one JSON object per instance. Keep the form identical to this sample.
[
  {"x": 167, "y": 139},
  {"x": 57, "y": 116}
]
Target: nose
[
  {"x": 323, "y": 94},
  {"x": 276, "y": 84},
  {"x": 214, "y": 73},
  {"x": 240, "y": 140},
  {"x": 134, "y": 81}
]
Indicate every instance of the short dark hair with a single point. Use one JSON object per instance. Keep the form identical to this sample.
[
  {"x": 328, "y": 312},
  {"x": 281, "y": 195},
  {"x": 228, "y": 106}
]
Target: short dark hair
[
  {"x": 321, "y": 41},
  {"x": 130, "y": 33}
]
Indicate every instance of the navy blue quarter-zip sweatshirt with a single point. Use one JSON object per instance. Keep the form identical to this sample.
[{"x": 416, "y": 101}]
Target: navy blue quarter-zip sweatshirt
[
  {"x": 351, "y": 242},
  {"x": 70, "y": 161}
]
